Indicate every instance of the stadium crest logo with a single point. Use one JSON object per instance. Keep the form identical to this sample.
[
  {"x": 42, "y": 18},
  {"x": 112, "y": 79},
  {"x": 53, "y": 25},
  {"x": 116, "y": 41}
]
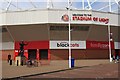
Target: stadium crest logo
[{"x": 65, "y": 18}]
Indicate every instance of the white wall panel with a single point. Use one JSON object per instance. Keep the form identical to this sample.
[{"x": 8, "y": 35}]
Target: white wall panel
[
  {"x": 113, "y": 18},
  {"x": 117, "y": 45},
  {"x": 26, "y": 17},
  {"x": 54, "y": 16},
  {"x": 7, "y": 45}
]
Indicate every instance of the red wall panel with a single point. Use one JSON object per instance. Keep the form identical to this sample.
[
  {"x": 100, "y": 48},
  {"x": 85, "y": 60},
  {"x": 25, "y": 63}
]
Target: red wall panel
[
  {"x": 33, "y": 45},
  {"x": 5, "y": 54},
  {"x": 98, "y": 45}
]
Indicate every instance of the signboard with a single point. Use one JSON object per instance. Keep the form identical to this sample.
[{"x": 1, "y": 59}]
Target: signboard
[
  {"x": 117, "y": 45},
  {"x": 86, "y": 17},
  {"x": 65, "y": 44},
  {"x": 98, "y": 45},
  {"x": 89, "y": 17}
]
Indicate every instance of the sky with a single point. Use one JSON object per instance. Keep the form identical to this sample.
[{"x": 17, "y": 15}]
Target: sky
[{"x": 62, "y": 4}]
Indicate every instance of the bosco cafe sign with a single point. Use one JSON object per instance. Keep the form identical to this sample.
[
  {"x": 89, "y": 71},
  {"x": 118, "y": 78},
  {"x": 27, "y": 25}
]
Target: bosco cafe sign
[{"x": 85, "y": 17}]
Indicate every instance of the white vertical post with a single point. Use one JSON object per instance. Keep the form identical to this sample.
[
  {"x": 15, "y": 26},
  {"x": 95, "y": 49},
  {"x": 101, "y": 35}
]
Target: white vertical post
[
  {"x": 83, "y": 4},
  {"x": 89, "y": 4},
  {"x": 110, "y": 6},
  {"x": 109, "y": 33},
  {"x": 17, "y": 4},
  {"x": 52, "y": 4},
  {"x": 9, "y": 3},
  {"x": 69, "y": 34},
  {"x": 48, "y": 4}
]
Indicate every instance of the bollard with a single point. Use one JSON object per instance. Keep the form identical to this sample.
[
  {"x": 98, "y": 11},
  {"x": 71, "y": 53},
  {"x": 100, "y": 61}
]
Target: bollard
[
  {"x": 72, "y": 62},
  {"x": 10, "y": 62},
  {"x": 21, "y": 62},
  {"x": 17, "y": 62}
]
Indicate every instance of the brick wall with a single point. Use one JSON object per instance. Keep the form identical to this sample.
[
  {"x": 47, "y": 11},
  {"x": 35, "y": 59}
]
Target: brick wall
[
  {"x": 63, "y": 54},
  {"x": 80, "y": 54},
  {"x": 5, "y": 54},
  {"x": 59, "y": 54}
]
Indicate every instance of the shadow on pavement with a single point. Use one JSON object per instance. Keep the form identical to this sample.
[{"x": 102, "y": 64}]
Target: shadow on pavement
[{"x": 25, "y": 77}]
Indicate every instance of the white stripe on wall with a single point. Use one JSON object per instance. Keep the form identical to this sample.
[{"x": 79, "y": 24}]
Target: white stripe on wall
[
  {"x": 117, "y": 45},
  {"x": 7, "y": 45}
]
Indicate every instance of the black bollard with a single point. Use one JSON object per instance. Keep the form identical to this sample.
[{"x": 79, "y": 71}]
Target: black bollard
[
  {"x": 22, "y": 63},
  {"x": 10, "y": 62},
  {"x": 17, "y": 62}
]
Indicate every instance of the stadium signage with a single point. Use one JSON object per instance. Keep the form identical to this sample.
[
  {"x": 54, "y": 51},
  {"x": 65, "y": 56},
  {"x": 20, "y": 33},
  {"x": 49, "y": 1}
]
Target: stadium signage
[
  {"x": 65, "y": 44},
  {"x": 89, "y": 17},
  {"x": 65, "y": 18},
  {"x": 98, "y": 45}
]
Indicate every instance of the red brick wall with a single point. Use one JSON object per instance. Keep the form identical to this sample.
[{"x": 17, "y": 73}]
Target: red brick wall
[
  {"x": 5, "y": 54},
  {"x": 63, "y": 54},
  {"x": 59, "y": 54},
  {"x": 90, "y": 54},
  {"x": 80, "y": 54}
]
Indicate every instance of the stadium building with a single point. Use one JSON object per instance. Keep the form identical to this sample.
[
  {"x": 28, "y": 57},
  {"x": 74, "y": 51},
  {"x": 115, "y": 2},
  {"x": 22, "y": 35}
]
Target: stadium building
[{"x": 46, "y": 33}]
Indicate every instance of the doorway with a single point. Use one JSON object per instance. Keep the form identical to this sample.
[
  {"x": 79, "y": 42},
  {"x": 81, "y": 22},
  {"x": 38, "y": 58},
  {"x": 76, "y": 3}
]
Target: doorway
[
  {"x": 43, "y": 54},
  {"x": 32, "y": 53},
  {"x": 117, "y": 52}
]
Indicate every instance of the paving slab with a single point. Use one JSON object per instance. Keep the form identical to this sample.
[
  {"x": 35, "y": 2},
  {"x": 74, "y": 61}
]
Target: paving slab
[
  {"x": 97, "y": 71},
  {"x": 12, "y": 71}
]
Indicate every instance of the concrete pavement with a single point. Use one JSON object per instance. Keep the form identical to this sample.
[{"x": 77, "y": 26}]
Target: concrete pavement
[
  {"x": 97, "y": 72},
  {"x": 12, "y": 71}
]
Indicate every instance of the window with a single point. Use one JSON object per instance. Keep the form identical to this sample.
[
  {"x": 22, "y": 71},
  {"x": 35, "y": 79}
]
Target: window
[
  {"x": 3, "y": 30},
  {"x": 66, "y": 28}
]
